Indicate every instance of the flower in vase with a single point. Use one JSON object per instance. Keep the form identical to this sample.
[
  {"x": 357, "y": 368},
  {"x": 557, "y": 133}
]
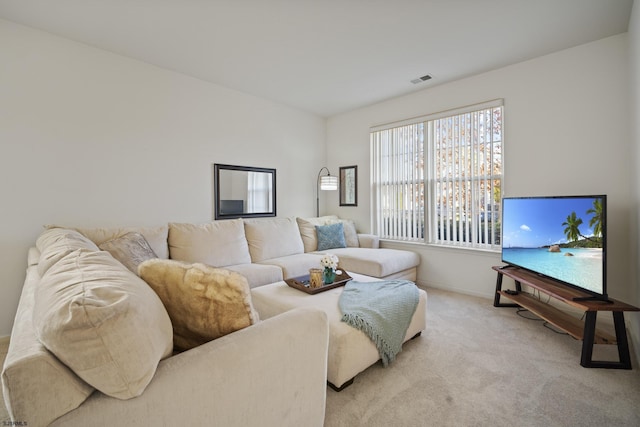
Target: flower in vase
[{"x": 329, "y": 261}]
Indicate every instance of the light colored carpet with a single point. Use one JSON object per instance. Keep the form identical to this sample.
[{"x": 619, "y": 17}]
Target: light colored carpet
[{"x": 477, "y": 365}]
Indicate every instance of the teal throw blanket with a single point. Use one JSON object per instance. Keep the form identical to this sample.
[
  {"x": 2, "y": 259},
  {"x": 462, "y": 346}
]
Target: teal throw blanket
[{"x": 382, "y": 310}]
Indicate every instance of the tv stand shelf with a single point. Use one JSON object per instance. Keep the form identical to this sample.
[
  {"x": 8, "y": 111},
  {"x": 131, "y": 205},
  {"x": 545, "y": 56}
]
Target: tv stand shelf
[
  {"x": 585, "y": 331},
  {"x": 568, "y": 323}
]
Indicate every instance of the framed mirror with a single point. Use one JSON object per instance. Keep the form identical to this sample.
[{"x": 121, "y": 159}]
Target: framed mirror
[
  {"x": 243, "y": 191},
  {"x": 349, "y": 186}
]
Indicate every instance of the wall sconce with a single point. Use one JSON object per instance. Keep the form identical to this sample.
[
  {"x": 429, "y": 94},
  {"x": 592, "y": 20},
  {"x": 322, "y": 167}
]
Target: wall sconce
[{"x": 325, "y": 183}]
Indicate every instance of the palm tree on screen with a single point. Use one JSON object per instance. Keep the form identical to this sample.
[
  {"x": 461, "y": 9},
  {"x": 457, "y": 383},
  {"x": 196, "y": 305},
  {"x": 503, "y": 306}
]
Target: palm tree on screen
[
  {"x": 572, "y": 227},
  {"x": 596, "y": 220}
]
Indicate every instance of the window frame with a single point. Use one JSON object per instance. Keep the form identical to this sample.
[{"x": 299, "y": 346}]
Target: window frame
[{"x": 482, "y": 230}]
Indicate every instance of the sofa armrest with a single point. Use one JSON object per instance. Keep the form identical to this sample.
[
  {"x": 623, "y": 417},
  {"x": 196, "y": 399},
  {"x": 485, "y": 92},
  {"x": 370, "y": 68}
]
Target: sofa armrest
[
  {"x": 369, "y": 241},
  {"x": 271, "y": 373}
]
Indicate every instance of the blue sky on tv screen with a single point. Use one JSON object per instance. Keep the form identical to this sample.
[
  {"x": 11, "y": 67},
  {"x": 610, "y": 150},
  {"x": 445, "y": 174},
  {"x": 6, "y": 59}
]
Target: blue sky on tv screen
[{"x": 537, "y": 222}]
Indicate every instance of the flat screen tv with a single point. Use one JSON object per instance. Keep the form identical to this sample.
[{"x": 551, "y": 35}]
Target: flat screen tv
[{"x": 562, "y": 238}]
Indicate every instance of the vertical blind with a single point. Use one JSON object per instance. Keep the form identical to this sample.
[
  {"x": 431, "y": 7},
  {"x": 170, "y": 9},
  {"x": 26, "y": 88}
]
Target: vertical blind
[
  {"x": 438, "y": 178},
  {"x": 399, "y": 168}
]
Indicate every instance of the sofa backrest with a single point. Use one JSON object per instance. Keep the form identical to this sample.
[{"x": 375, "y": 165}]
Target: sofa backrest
[
  {"x": 219, "y": 243},
  {"x": 272, "y": 238},
  {"x": 155, "y": 236}
]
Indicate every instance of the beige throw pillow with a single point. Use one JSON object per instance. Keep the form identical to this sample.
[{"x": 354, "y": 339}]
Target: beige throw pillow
[
  {"x": 307, "y": 227},
  {"x": 350, "y": 233},
  {"x": 130, "y": 249},
  {"x": 203, "y": 302},
  {"x": 103, "y": 322}
]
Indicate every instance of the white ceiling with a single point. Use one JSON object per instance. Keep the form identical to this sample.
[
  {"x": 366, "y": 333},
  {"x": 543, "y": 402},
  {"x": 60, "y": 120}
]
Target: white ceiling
[{"x": 326, "y": 56}]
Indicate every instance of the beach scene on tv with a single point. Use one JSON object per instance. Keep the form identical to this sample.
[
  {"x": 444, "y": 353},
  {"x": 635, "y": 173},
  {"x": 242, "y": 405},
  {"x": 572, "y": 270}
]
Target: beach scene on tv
[{"x": 561, "y": 238}]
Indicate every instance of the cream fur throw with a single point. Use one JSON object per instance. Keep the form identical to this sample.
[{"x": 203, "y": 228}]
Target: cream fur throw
[{"x": 203, "y": 302}]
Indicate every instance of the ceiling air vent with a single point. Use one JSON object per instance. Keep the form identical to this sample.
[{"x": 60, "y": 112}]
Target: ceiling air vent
[{"x": 421, "y": 79}]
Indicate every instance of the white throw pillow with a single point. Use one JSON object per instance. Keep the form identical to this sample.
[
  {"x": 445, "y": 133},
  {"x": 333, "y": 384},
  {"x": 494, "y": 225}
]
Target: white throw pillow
[
  {"x": 350, "y": 233},
  {"x": 103, "y": 322},
  {"x": 307, "y": 228}
]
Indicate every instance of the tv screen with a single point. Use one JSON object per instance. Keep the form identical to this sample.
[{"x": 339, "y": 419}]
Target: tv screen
[{"x": 563, "y": 238}]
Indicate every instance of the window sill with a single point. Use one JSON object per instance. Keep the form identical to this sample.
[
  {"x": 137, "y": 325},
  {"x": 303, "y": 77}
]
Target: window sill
[{"x": 390, "y": 242}]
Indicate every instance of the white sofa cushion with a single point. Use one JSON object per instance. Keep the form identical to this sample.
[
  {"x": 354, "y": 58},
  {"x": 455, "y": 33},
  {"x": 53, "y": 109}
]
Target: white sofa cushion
[
  {"x": 218, "y": 243},
  {"x": 103, "y": 322},
  {"x": 295, "y": 265},
  {"x": 272, "y": 238},
  {"x": 258, "y": 274},
  {"x": 56, "y": 243},
  {"x": 382, "y": 262}
]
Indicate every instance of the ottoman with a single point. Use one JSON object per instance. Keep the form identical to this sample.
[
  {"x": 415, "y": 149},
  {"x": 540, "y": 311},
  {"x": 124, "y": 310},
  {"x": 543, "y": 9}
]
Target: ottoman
[{"x": 351, "y": 351}]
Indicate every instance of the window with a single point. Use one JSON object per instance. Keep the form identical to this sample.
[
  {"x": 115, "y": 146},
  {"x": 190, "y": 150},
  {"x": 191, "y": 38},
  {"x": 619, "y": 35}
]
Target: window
[
  {"x": 437, "y": 179},
  {"x": 259, "y": 192}
]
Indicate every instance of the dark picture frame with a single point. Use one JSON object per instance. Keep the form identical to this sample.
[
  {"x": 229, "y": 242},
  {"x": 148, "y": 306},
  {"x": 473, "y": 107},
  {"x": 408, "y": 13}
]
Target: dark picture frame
[{"x": 349, "y": 185}]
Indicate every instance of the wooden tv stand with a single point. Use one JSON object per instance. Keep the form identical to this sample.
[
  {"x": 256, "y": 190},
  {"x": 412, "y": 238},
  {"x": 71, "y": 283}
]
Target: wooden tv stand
[{"x": 586, "y": 331}]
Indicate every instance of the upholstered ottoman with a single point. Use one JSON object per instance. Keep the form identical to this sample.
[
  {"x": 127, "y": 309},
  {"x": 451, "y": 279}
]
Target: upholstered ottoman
[{"x": 351, "y": 351}]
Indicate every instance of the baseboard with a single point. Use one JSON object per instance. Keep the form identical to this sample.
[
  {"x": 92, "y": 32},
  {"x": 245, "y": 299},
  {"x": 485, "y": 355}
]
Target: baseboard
[
  {"x": 633, "y": 329},
  {"x": 463, "y": 291}
]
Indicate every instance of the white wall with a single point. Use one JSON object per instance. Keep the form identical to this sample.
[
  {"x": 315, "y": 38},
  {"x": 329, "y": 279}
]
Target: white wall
[
  {"x": 89, "y": 138},
  {"x": 634, "y": 44},
  {"x": 566, "y": 132}
]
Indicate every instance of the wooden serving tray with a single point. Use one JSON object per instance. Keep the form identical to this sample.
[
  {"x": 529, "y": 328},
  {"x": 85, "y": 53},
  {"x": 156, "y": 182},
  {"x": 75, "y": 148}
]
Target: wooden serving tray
[{"x": 301, "y": 283}]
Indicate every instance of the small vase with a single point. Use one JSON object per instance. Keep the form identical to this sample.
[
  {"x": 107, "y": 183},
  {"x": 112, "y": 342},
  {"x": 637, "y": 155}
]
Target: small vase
[{"x": 328, "y": 275}]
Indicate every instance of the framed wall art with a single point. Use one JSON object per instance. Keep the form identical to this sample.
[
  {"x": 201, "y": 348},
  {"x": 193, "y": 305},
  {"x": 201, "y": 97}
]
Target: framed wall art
[{"x": 349, "y": 186}]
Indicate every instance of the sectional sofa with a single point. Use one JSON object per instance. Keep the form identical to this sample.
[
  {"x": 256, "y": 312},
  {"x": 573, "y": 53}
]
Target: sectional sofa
[
  {"x": 270, "y": 250},
  {"x": 122, "y": 368}
]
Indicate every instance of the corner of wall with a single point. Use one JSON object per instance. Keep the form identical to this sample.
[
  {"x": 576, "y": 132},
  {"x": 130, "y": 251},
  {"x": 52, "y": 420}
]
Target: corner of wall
[{"x": 634, "y": 83}]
